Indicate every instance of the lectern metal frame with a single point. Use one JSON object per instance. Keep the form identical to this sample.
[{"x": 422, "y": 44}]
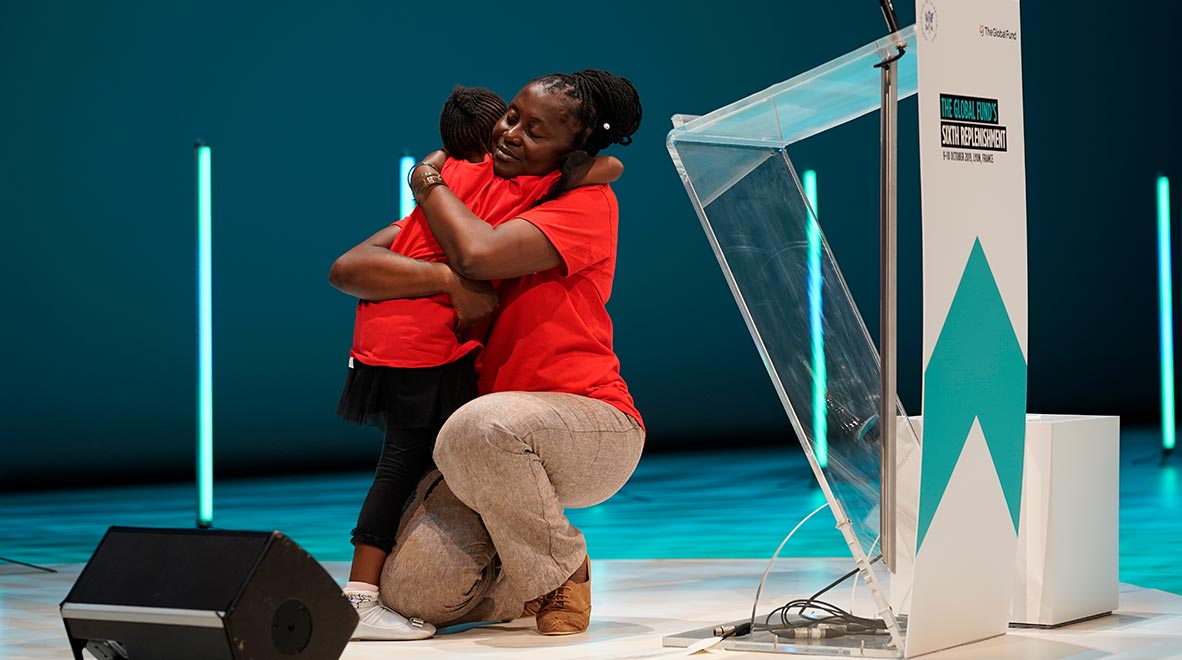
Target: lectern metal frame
[{"x": 888, "y": 293}]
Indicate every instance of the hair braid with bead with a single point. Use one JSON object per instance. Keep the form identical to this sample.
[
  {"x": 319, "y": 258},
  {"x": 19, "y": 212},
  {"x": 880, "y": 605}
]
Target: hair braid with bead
[{"x": 607, "y": 111}]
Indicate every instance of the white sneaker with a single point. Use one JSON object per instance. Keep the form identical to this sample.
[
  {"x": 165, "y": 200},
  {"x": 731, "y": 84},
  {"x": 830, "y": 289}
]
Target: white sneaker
[{"x": 378, "y": 622}]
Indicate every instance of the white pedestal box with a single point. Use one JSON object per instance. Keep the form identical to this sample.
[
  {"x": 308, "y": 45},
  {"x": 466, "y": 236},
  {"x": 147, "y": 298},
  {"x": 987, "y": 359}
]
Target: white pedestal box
[{"x": 1068, "y": 534}]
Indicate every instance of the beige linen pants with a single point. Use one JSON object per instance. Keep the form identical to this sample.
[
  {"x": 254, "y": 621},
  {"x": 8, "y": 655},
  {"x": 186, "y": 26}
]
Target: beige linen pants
[{"x": 487, "y": 532}]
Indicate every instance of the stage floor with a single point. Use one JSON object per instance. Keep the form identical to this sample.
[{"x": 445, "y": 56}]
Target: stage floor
[
  {"x": 638, "y": 602},
  {"x": 672, "y": 552}
]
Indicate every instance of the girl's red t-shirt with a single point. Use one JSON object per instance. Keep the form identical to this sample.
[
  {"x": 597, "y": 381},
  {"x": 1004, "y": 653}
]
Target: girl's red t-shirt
[
  {"x": 552, "y": 332},
  {"x": 420, "y": 332}
]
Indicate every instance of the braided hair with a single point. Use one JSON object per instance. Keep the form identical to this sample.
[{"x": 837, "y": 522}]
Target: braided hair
[
  {"x": 606, "y": 110},
  {"x": 467, "y": 120}
]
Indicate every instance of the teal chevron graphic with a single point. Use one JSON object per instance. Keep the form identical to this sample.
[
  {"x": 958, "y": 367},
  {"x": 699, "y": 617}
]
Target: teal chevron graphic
[{"x": 977, "y": 371}]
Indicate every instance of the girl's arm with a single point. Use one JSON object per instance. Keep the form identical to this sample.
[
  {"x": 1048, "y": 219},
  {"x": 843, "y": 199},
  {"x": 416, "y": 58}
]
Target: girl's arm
[
  {"x": 370, "y": 271},
  {"x": 604, "y": 169}
]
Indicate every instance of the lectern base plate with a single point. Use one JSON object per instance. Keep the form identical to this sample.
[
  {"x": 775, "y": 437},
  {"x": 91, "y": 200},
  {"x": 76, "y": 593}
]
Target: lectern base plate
[{"x": 858, "y": 646}]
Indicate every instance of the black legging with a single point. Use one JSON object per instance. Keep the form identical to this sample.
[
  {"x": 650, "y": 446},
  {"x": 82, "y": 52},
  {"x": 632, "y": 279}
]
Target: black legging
[{"x": 406, "y": 456}]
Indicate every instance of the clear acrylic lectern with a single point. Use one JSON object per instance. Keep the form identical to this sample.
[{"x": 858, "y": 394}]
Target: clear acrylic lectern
[{"x": 821, "y": 359}]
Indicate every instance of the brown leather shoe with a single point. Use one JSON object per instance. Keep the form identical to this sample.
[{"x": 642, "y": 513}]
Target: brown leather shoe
[
  {"x": 531, "y": 608},
  {"x": 567, "y": 609}
]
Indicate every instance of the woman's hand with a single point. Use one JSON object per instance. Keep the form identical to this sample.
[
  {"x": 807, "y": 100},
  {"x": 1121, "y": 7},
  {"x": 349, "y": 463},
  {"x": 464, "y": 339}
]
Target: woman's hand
[{"x": 474, "y": 301}]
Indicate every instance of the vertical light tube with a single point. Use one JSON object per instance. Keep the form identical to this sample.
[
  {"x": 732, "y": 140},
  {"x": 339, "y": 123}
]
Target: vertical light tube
[
  {"x": 816, "y": 327},
  {"x": 1166, "y": 311},
  {"x": 204, "y": 337},
  {"x": 406, "y": 201}
]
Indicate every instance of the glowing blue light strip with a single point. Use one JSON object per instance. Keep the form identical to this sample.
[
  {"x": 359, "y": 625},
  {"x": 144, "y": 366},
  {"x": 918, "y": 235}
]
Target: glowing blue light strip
[
  {"x": 816, "y": 327},
  {"x": 1166, "y": 310},
  {"x": 406, "y": 201},
  {"x": 205, "y": 339}
]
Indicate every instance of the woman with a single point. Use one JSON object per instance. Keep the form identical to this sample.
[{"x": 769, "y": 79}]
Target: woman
[{"x": 556, "y": 426}]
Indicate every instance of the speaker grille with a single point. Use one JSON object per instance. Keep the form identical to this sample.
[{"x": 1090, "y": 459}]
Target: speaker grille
[{"x": 169, "y": 568}]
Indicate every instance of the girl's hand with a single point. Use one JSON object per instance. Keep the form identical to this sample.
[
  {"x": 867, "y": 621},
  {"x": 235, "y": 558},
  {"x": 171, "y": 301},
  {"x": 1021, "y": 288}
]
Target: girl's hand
[
  {"x": 435, "y": 159},
  {"x": 474, "y": 301},
  {"x": 575, "y": 167}
]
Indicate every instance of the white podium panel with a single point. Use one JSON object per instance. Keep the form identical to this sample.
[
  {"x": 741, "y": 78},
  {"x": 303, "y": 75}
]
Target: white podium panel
[
  {"x": 975, "y": 310},
  {"x": 1067, "y": 560},
  {"x": 1069, "y": 534}
]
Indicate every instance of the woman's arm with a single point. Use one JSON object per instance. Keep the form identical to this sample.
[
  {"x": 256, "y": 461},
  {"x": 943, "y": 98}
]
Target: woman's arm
[
  {"x": 478, "y": 250},
  {"x": 371, "y": 271}
]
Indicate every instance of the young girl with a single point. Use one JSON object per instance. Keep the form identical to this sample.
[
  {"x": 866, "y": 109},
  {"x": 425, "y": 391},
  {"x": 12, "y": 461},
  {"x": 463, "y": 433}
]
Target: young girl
[{"x": 410, "y": 366}]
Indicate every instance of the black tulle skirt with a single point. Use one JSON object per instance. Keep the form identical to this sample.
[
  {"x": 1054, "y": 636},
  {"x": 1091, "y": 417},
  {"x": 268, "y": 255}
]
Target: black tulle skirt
[{"x": 392, "y": 397}]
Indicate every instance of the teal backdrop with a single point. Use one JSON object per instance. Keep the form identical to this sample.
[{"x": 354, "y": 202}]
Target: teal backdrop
[{"x": 308, "y": 106}]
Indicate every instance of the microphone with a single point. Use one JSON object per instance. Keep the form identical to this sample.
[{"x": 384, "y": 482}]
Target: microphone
[{"x": 888, "y": 12}]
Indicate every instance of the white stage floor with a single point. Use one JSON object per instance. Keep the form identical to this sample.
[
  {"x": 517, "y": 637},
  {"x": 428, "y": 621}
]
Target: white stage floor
[{"x": 639, "y": 602}]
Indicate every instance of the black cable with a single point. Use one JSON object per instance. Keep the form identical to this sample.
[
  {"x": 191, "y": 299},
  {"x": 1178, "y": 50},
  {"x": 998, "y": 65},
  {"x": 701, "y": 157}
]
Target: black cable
[
  {"x": 834, "y": 612},
  {"x": 840, "y": 580},
  {"x": 837, "y": 622},
  {"x": 1156, "y": 457},
  {"x": 23, "y": 563}
]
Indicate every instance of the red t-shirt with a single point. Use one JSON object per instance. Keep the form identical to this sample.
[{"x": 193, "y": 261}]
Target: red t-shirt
[
  {"x": 420, "y": 332},
  {"x": 552, "y": 332}
]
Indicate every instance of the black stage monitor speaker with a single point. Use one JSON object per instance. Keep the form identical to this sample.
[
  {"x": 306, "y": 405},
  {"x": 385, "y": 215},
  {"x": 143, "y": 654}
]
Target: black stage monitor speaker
[{"x": 182, "y": 594}]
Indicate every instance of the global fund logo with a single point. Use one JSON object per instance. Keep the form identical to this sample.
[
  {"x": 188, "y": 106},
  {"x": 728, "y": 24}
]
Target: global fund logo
[
  {"x": 997, "y": 33},
  {"x": 928, "y": 21}
]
